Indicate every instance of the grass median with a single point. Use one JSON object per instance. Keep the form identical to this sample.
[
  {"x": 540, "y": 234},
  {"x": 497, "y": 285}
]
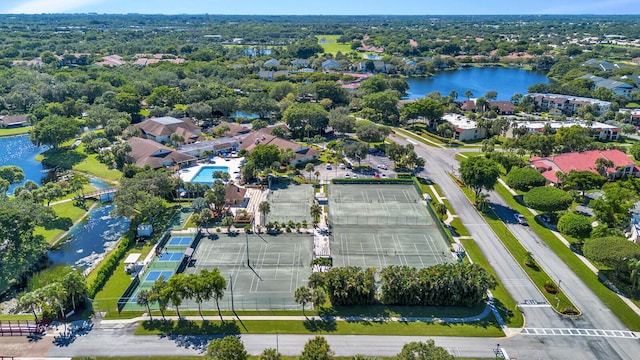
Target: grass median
[
  {"x": 608, "y": 297},
  {"x": 485, "y": 328}
]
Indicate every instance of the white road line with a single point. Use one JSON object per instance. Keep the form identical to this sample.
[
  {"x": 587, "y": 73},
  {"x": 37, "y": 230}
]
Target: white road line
[{"x": 620, "y": 334}]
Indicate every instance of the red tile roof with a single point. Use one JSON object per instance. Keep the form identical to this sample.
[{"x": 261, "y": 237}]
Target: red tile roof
[{"x": 579, "y": 161}]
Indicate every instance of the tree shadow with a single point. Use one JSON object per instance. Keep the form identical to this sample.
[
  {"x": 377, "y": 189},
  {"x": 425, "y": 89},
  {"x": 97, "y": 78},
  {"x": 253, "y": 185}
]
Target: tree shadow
[
  {"x": 61, "y": 223},
  {"x": 324, "y": 325},
  {"x": 504, "y": 311},
  {"x": 189, "y": 327},
  {"x": 62, "y": 158}
]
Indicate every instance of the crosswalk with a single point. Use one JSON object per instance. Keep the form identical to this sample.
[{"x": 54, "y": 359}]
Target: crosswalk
[
  {"x": 620, "y": 334},
  {"x": 517, "y": 282}
]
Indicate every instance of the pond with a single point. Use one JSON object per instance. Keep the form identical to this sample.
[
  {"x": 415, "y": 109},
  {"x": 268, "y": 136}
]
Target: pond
[
  {"x": 506, "y": 81},
  {"x": 20, "y": 151},
  {"x": 91, "y": 239}
]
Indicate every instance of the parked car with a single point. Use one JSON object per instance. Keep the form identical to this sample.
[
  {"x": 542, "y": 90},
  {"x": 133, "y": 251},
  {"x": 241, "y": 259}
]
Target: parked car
[
  {"x": 520, "y": 219},
  {"x": 341, "y": 166},
  {"x": 329, "y": 167},
  {"x": 349, "y": 165}
]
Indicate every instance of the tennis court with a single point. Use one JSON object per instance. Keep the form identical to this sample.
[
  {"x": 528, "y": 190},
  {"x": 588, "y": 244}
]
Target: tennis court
[
  {"x": 170, "y": 256},
  {"x": 290, "y": 203},
  {"x": 154, "y": 275},
  {"x": 278, "y": 264},
  {"x": 180, "y": 241},
  {"x": 376, "y": 225}
]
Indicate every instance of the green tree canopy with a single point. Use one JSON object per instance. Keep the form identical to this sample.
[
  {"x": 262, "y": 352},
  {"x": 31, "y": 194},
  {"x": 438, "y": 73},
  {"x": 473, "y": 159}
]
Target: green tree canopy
[
  {"x": 226, "y": 348},
  {"x": 479, "y": 173},
  {"x": 54, "y": 130},
  {"x": 263, "y": 156},
  {"x": 418, "y": 350},
  {"x": 612, "y": 251},
  {"x": 298, "y": 115},
  {"x": 317, "y": 348},
  {"x": 548, "y": 199},
  {"x": 575, "y": 225},
  {"x": 525, "y": 178}
]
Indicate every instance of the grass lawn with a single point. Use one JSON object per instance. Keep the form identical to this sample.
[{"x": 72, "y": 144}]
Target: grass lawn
[
  {"x": 331, "y": 44},
  {"x": 431, "y": 141},
  {"x": 15, "y": 131},
  {"x": 4, "y": 317},
  {"x": 78, "y": 160},
  {"x": 486, "y": 328},
  {"x": 457, "y": 226},
  {"x": 202, "y": 357},
  {"x": 608, "y": 297},
  {"x": 68, "y": 214}
]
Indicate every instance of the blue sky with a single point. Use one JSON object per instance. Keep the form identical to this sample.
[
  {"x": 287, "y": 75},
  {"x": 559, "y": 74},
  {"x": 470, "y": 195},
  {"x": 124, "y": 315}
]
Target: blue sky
[{"x": 325, "y": 7}]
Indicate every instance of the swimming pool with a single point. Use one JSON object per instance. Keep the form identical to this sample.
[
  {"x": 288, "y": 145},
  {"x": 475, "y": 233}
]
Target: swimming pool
[{"x": 205, "y": 174}]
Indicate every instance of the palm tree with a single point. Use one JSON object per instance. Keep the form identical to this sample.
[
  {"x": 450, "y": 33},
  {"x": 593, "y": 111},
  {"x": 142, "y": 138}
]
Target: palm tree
[
  {"x": 158, "y": 294},
  {"x": 468, "y": 94},
  {"x": 440, "y": 209},
  {"x": 176, "y": 291},
  {"x": 143, "y": 299},
  {"x": 309, "y": 169},
  {"x": 265, "y": 209},
  {"x": 228, "y": 222},
  {"x": 32, "y": 300},
  {"x": 75, "y": 285},
  {"x": 602, "y": 165},
  {"x": 482, "y": 200},
  {"x": 302, "y": 295},
  {"x": 318, "y": 297},
  {"x": 316, "y": 212}
]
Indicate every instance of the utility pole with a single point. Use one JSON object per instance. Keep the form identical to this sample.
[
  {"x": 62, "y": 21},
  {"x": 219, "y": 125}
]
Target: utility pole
[
  {"x": 231, "y": 288},
  {"x": 246, "y": 236}
]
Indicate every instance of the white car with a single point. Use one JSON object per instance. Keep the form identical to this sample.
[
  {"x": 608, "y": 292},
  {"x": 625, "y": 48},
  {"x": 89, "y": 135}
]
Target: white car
[
  {"x": 355, "y": 176},
  {"x": 328, "y": 167},
  {"x": 347, "y": 175},
  {"x": 520, "y": 219},
  {"x": 341, "y": 166}
]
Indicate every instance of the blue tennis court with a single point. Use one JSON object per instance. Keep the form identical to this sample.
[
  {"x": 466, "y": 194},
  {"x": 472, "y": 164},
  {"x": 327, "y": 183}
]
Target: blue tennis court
[
  {"x": 170, "y": 256},
  {"x": 155, "y": 275},
  {"x": 179, "y": 241}
]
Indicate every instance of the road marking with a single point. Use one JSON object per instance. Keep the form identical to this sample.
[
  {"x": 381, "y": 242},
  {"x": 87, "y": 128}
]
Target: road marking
[
  {"x": 411, "y": 141},
  {"x": 621, "y": 334}
]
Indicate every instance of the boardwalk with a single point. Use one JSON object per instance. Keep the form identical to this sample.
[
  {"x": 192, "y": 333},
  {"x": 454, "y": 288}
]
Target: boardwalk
[{"x": 98, "y": 194}]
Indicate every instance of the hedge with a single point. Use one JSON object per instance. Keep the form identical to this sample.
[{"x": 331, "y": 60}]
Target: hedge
[{"x": 110, "y": 264}]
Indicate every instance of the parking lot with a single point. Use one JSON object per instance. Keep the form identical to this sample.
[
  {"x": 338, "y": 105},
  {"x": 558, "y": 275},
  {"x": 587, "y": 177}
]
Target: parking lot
[{"x": 381, "y": 165}]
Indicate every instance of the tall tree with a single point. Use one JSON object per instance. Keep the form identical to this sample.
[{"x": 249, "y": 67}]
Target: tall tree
[
  {"x": 418, "y": 350},
  {"x": 479, "y": 173},
  {"x": 317, "y": 348},
  {"x": 226, "y": 348},
  {"x": 316, "y": 212},
  {"x": 159, "y": 294},
  {"x": 143, "y": 299},
  {"x": 302, "y": 295},
  {"x": 54, "y": 130},
  {"x": 265, "y": 209}
]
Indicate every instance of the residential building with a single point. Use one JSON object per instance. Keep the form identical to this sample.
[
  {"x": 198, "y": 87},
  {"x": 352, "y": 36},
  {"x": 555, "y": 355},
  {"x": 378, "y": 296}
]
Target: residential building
[
  {"x": 300, "y": 63},
  {"x": 272, "y": 63},
  {"x": 160, "y": 129},
  {"x": 330, "y": 65},
  {"x": 13, "y": 121},
  {"x": 303, "y": 154},
  {"x": 234, "y": 194},
  {"x": 501, "y": 107},
  {"x": 270, "y": 74},
  {"x": 551, "y": 166},
  {"x": 567, "y": 104},
  {"x": 214, "y": 147},
  {"x": 111, "y": 61},
  {"x": 601, "y": 131},
  {"x": 466, "y": 129},
  {"x": 600, "y": 65},
  {"x": 145, "y": 152},
  {"x": 618, "y": 87},
  {"x": 234, "y": 128}
]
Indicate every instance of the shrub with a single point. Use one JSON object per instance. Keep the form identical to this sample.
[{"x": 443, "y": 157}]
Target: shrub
[
  {"x": 612, "y": 251},
  {"x": 548, "y": 199},
  {"x": 550, "y": 287},
  {"x": 525, "y": 179},
  {"x": 575, "y": 225}
]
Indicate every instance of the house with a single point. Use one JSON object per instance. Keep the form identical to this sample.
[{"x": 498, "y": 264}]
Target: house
[
  {"x": 234, "y": 129},
  {"x": 330, "y": 65},
  {"x": 111, "y": 61},
  {"x": 303, "y": 154},
  {"x": 214, "y": 147},
  {"x": 145, "y": 152},
  {"x": 270, "y": 75},
  {"x": 550, "y": 166},
  {"x": 13, "y": 121},
  {"x": 503, "y": 107},
  {"x": 300, "y": 63},
  {"x": 600, "y": 65},
  {"x": 234, "y": 194},
  {"x": 567, "y": 104},
  {"x": 618, "y": 87},
  {"x": 601, "y": 131},
  {"x": 466, "y": 129},
  {"x": 272, "y": 63},
  {"x": 160, "y": 129}
]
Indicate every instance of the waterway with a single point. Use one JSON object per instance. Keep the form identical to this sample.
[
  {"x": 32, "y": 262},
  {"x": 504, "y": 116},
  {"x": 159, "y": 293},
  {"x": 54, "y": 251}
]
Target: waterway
[
  {"x": 89, "y": 240},
  {"x": 20, "y": 151},
  {"x": 506, "y": 81}
]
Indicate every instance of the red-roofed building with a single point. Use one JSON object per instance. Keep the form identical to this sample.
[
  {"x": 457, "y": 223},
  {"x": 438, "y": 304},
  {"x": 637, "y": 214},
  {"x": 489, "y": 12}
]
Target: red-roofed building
[{"x": 585, "y": 161}]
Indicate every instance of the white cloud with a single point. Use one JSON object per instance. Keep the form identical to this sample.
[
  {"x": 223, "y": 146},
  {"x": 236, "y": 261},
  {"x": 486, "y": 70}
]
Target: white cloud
[{"x": 50, "y": 6}]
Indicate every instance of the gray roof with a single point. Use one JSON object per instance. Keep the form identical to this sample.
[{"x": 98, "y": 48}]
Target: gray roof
[{"x": 167, "y": 120}]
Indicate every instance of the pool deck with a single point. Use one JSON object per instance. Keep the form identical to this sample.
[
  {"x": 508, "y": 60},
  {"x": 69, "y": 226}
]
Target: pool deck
[{"x": 187, "y": 174}]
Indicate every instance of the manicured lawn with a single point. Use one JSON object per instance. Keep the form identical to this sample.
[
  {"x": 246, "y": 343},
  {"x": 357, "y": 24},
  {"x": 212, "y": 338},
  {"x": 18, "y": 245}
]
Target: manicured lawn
[
  {"x": 202, "y": 357},
  {"x": 331, "y": 45},
  {"x": 608, "y": 297},
  {"x": 4, "y": 317},
  {"x": 68, "y": 214},
  {"x": 158, "y": 327},
  {"x": 78, "y": 160},
  {"x": 15, "y": 131},
  {"x": 432, "y": 142},
  {"x": 457, "y": 226}
]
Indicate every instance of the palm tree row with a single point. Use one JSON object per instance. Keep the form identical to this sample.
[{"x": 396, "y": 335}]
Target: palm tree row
[
  {"x": 439, "y": 285},
  {"x": 200, "y": 287},
  {"x": 347, "y": 285},
  {"x": 54, "y": 297}
]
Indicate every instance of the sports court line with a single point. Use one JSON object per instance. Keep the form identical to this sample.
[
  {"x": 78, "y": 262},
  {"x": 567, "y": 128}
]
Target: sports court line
[{"x": 378, "y": 242}]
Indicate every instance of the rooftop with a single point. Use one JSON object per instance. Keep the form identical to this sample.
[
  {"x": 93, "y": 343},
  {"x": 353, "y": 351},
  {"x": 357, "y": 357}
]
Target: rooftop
[{"x": 460, "y": 121}]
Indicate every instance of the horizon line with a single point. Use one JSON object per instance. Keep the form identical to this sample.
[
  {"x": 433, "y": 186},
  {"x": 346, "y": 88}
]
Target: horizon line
[{"x": 265, "y": 14}]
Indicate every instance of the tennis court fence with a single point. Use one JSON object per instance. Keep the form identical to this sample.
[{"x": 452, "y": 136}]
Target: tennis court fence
[
  {"x": 386, "y": 252},
  {"x": 377, "y": 220}
]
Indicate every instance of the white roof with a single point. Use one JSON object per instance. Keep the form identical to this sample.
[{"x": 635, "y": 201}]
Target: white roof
[
  {"x": 562, "y": 124},
  {"x": 460, "y": 121},
  {"x": 132, "y": 258}
]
